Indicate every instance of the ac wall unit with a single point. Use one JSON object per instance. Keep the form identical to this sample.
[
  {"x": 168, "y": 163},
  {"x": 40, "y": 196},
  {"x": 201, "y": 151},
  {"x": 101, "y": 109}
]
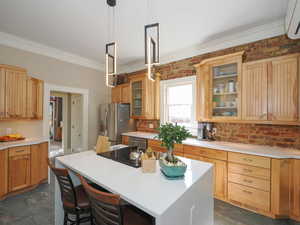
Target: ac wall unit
[{"x": 292, "y": 21}]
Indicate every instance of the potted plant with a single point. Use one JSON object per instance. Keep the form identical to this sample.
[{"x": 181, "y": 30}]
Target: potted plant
[{"x": 171, "y": 134}]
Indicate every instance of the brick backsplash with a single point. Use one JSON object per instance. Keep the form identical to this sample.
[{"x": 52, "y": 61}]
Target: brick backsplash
[{"x": 274, "y": 135}]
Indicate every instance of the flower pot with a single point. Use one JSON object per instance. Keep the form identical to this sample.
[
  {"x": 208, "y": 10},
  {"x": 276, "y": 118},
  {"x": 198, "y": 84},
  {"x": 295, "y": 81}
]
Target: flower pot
[{"x": 172, "y": 170}]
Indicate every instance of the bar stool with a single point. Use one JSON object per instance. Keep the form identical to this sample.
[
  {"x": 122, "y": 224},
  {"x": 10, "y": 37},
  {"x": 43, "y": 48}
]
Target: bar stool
[
  {"x": 74, "y": 199},
  {"x": 107, "y": 209}
]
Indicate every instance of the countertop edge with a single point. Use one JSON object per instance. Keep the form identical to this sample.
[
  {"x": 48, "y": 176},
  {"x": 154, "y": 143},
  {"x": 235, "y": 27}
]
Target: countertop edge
[
  {"x": 26, "y": 142},
  {"x": 284, "y": 153}
]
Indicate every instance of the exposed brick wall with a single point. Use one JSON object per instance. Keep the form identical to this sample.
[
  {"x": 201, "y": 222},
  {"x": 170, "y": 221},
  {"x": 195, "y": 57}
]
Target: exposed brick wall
[
  {"x": 281, "y": 136},
  {"x": 285, "y": 136}
]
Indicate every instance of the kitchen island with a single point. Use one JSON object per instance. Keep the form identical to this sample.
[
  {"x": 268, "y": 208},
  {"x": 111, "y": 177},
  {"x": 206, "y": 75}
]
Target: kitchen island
[{"x": 170, "y": 202}]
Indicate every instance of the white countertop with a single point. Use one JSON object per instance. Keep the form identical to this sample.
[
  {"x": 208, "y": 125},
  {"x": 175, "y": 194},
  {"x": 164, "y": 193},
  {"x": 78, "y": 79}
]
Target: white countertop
[
  {"x": 152, "y": 193},
  {"x": 260, "y": 150},
  {"x": 27, "y": 141}
]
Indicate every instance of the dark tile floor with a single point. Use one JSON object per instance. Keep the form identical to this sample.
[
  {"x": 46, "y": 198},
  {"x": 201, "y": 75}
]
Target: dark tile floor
[{"x": 36, "y": 208}]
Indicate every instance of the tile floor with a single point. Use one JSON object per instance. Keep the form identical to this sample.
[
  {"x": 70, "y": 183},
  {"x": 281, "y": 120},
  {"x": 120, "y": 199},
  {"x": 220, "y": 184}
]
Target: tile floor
[{"x": 36, "y": 208}]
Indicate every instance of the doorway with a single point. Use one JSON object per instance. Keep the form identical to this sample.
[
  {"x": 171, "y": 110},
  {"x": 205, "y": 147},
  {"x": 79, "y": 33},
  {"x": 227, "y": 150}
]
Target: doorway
[{"x": 65, "y": 123}]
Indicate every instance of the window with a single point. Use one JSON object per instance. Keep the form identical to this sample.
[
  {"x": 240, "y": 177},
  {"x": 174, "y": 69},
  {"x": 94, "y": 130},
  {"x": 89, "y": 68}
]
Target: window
[{"x": 178, "y": 102}]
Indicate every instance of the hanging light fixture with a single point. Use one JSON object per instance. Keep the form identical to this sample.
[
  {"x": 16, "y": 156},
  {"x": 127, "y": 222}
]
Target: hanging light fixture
[
  {"x": 151, "y": 46},
  {"x": 111, "y": 51}
]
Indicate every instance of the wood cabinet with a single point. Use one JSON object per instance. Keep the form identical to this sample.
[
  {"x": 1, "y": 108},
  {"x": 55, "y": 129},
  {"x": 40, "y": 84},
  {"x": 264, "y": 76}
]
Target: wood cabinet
[
  {"x": 120, "y": 94},
  {"x": 125, "y": 140},
  {"x": 218, "y": 88},
  {"x": 255, "y": 91},
  {"x": 3, "y": 173},
  {"x": 19, "y": 168},
  {"x": 22, "y": 168},
  {"x": 156, "y": 146},
  {"x": 295, "y": 189},
  {"x": 283, "y": 89},
  {"x": 270, "y": 90},
  {"x": 21, "y": 97},
  {"x": 39, "y": 168},
  {"x": 143, "y": 97},
  {"x": 220, "y": 177},
  {"x": 35, "y": 93}
]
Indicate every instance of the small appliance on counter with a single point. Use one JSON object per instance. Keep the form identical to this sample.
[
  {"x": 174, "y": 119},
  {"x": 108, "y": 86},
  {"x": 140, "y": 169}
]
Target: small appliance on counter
[{"x": 206, "y": 132}]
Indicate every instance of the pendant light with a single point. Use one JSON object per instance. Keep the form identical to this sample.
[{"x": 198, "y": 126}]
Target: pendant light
[
  {"x": 151, "y": 46},
  {"x": 111, "y": 49}
]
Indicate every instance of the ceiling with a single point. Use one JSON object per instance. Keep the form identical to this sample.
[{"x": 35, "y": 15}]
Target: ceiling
[{"x": 80, "y": 26}]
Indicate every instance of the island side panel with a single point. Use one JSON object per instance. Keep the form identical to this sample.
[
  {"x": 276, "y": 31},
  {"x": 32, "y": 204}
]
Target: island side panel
[
  {"x": 59, "y": 211},
  {"x": 195, "y": 207}
]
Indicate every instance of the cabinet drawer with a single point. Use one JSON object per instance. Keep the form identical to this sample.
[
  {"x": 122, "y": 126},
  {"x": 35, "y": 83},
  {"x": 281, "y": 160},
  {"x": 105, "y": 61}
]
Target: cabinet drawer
[
  {"x": 249, "y": 171},
  {"x": 251, "y": 160},
  {"x": 156, "y": 145},
  {"x": 249, "y": 197},
  {"x": 249, "y": 181},
  {"x": 16, "y": 151},
  {"x": 205, "y": 152}
]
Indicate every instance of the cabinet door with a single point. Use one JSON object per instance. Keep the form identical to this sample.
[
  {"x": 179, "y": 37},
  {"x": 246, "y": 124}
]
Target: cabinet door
[
  {"x": 31, "y": 98},
  {"x": 19, "y": 172},
  {"x": 283, "y": 89},
  {"x": 295, "y": 189},
  {"x": 40, "y": 100},
  {"x": 2, "y": 93},
  {"x": 255, "y": 91},
  {"x": 202, "y": 104},
  {"x": 125, "y": 93},
  {"x": 220, "y": 177},
  {"x": 116, "y": 95},
  {"x": 39, "y": 168},
  {"x": 3, "y": 173},
  {"x": 137, "y": 98},
  {"x": 16, "y": 88}
]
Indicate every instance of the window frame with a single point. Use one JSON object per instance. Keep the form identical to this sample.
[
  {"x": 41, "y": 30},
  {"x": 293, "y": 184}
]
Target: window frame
[{"x": 165, "y": 84}]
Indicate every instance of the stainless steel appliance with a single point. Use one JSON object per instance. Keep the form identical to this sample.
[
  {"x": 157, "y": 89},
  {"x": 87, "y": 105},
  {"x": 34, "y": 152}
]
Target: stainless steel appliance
[
  {"x": 206, "y": 132},
  {"x": 115, "y": 120},
  {"x": 140, "y": 143}
]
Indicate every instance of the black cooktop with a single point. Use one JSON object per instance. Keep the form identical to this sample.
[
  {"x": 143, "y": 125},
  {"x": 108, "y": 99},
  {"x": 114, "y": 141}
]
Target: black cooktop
[{"x": 122, "y": 156}]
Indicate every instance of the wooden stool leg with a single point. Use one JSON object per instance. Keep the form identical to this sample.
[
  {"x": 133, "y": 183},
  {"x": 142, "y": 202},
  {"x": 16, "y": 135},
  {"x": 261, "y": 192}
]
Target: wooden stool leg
[{"x": 77, "y": 219}]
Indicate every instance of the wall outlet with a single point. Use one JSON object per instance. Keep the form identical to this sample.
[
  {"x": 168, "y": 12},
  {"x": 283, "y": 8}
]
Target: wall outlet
[{"x": 151, "y": 126}]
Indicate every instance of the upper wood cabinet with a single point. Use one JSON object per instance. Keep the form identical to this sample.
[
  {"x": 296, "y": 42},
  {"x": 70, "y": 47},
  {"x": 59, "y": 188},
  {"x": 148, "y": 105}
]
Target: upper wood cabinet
[
  {"x": 120, "y": 94},
  {"x": 283, "y": 89},
  {"x": 255, "y": 91},
  {"x": 143, "y": 94},
  {"x": 21, "y": 97},
  {"x": 270, "y": 90},
  {"x": 218, "y": 88}
]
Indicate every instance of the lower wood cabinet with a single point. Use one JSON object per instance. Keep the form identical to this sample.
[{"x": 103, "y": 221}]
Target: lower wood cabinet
[
  {"x": 39, "y": 167},
  {"x": 156, "y": 146},
  {"x": 19, "y": 168},
  {"x": 125, "y": 140},
  {"x": 22, "y": 168},
  {"x": 295, "y": 190},
  {"x": 220, "y": 177},
  {"x": 3, "y": 173}
]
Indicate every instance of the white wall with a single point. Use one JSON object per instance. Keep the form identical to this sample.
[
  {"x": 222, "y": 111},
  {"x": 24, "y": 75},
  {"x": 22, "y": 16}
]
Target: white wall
[{"x": 60, "y": 73}]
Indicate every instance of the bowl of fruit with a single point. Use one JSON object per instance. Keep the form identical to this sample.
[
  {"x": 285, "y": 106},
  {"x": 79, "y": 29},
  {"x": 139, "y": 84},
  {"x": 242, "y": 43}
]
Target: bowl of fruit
[{"x": 11, "y": 137}]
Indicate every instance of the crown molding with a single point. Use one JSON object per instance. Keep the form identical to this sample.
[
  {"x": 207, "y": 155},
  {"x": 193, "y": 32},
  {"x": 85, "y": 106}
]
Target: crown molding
[
  {"x": 253, "y": 34},
  {"x": 34, "y": 47}
]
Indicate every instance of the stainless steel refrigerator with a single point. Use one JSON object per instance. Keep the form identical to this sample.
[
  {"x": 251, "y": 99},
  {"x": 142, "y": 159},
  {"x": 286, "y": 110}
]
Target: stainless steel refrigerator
[{"x": 115, "y": 120}]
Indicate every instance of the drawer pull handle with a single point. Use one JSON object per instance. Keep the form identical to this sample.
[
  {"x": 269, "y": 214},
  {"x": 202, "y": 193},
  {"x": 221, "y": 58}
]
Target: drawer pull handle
[
  {"x": 247, "y": 160},
  {"x": 248, "y": 181},
  {"x": 19, "y": 150},
  {"x": 247, "y": 192},
  {"x": 248, "y": 170}
]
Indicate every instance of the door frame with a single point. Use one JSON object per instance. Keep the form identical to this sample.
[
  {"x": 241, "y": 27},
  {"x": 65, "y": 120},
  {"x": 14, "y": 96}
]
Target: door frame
[{"x": 85, "y": 104}]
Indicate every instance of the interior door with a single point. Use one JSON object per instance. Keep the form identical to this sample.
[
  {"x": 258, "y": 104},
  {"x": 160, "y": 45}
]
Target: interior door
[
  {"x": 283, "y": 89},
  {"x": 76, "y": 123}
]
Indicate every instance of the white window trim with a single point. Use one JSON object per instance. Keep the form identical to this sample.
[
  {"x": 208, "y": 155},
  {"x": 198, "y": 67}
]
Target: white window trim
[{"x": 174, "y": 82}]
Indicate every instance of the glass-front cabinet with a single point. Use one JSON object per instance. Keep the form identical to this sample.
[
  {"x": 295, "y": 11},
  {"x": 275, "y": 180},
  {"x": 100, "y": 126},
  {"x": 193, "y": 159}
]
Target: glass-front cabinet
[
  {"x": 224, "y": 91},
  {"x": 137, "y": 97},
  {"x": 219, "y": 93}
]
